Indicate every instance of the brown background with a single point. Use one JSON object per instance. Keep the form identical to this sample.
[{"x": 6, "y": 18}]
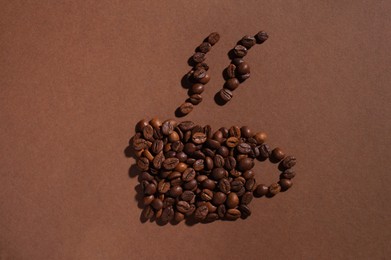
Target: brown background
[{"x": 76, "y": 76}]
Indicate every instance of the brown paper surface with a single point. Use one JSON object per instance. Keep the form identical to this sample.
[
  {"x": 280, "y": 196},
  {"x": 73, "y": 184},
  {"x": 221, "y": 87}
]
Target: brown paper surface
[{"x": 76, "y": 76}]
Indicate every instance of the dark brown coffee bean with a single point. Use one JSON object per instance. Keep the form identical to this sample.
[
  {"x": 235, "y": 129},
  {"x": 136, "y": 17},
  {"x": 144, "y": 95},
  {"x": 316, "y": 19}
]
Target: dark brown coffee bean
[
  {"x": 261, "y": 37},
  {"x": 158, "y": 160},
  {"x": 157, "y": 134},
  {"x": 168, "y": 201},
  {"x": 186, "y": 108},
  {"x": 248, "y": 174},
  {"x": 218, "y": 161},
  {"x": 148, "y": 132},
  {"x": 246, "y": 132},
  {"x": 164, "y": 174},
  {"x": 223, "y": 151},
  {"x": 148, "y": 212},
  {"x": 201, "y": 213},
  {"x": 190, "y": 185},
  {"x": 157, "y": 146},
  {"x": 168, "y": 214},
  {"x": 224, "y": 131},
  {"x": 183, "y": 206},
  {"x": 177, "y": 146},
  {"x": 277, "y": 154},
  {"x": 237, "y": 61},
  {"x": 241, "y": 192},
  {"x": 198, "y": 155},
  {"x": 206, "y": 195},
  {"x": 182, "y": 157},
  {"x": 225, "y": 94},
  {"x": 218, "y": 136},
  {"x": 231, "y": 71},
  {"x": 243, "y": 68},
  {"x": 245, "y": 211},
  {"x": 285, "y": 184},
  {"x": 190, "y": 161},
  {"x": 250, "y": 184},
  {"x": 288, "y": 174},
  {"x": 141, "y": 124},
  {"x": 261, "y": 190},
  {"x": 232, "y": 214},
  {"x": 187, "y": 195},
  {"x": 186, "y": 125},
  {"x": 213, "y": 38},
  {"x": 230, "y": 163},
  {"x": 158, "y": 213},
  {"x": 232, "y": 84},
  {"x": 191, "y": 210},
  {"x": 176, "y": 191},
  {"x": 170, "y": 163},
  {"x": 179, "y": 216},
  {"x": 248, "y": 41},
  {"x": 201, "y": 65},
  {"x": 208, "y": 184},
  {"x": 219, "y": 173},
  {"x": 243, "y": 148},
  {"x": 240, "y": 51},
  {"x": 224, "y": 186},
  {"x": 163, "y": 186},
  {"x": 199, "y": 74},
  {"x": 232, "y": 200},
  {"x": 145, "y": 176},
  {"x": 199, "y": 138},
  {"x": 241, "y": 156},
  {"x": 213, "y": 144},
  {"x": 188, "y": 175},
  {"x": 197, "y": 88},
  {"x": 204, "y": 47},
  {"x": 234, "y": 173},
  {"x": 189, "y": 148},
  {"x": 173, "y": 137},
  {"x": 211, "y": 217},
  {"x": 205, "y": 79},
  {"x": 167, "y": 127},
  {"x": 208, "y": 163},
  {"x": 195, "y": 99},
  {"x": 243, "y": 77},
  {"x": 274, "y": 188},
  {"x": 143, "y": 163},
  {"x": 148, "y": 199},
  {"x": 232, "y": 142},
  {"x": 198, "y": 57},
  {"x": 236, "y": 185},
  {"x": 246, "y": 198},
  {"x": 260, "y": 137},
  {"x": 221, "y": 210},
  {"x": 289, "y": 162},
  {"x": 255, "y": 153},
  {"x": 198, "y": 165},
  {"x": 264, "y": 151},
  {"x": 176, "y": 182},
  {"x": 170, "y": 154},
  {"x": 155, "y": 123},
  {"x": 139, "y": 144},
  {"x": 219, "y": 198},
  {"x": 157, "y": 204},
  {"x": 246, "y": 164},
  {"x": 234, "y": 131}
]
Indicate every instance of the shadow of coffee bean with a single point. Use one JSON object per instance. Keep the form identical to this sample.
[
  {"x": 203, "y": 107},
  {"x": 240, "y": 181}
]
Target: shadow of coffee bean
[
  {"x": 134, "y": 171},
  {"x": 139, "y": 196}
]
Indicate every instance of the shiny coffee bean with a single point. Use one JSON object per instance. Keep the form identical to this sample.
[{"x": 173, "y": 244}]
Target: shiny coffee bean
[
  {"x": 225, "y": 94},
  {"x": 243, "y": 68},
  {"x": 219, "y": 198},
  {"x": 197, "y": 88},
  {"x": 261, "y": 37},
  {"x": 186, "y": 108},
  {"x": 195, "y": 99},
  {"x": 231, "y": 71},
  {"x": 232, "y": 200},
  {"x": 201, "y": 213},
  {"x": 232, "y": 84},
  {"x": 289, "y": 162},
  {"x": 248, "y": 41},
  {"x": 274, "y": 188},
  {"x": 277, "y": 154},
  {"x": 240, "y": 51},
  {"x": 285, "y": 184},
  {"x": 232, "y": 214}
]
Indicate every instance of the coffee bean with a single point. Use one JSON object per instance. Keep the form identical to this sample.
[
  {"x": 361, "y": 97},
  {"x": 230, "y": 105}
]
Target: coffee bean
[
  {"x": 221, "y": 210},
  {"x": 213, "y": 38},
  {"x": 195, "y": 99},
  {"x": 232, "y": 142},
  {"x": 211, "y": 208},
  {"x": 181, "y": 167},
  {"x": 245, "y": 211},
  {"x": 248, "y": 174},
  {"x": 170, "y": 163},
  {"x": 189, "y": 148},
  {"x": 244, "y": 148},
  {"x": 205, "y": 79},
  {"x": 198, "y": 165},
  {"x": 145, "y": 176},
  {"x": 199, "y": 138},
  {"x": 163, "y": 186},
  {"x": 289, "y": 162},
  {"x": 219, "y": 198},
  {"x": 148, "y": 132},
  {"x": 208, "y": 184},
  {"x": 179, "y": 216},
  {"x": 190, "y": 185},
  {"x": 198, "y": 57},
  {"x": 243, "y": 77},
  {"x": 246, "y": 164},
  {"x": 143, "y": 163},
  {"x": 236, "y": 185},
  {"x": 285, "y": 184},
  {"x": 241, "y": 192},
  {"x": 231, "y": 71},
  {"x": 148, "y": 199},
  {"x": 176, "y": 181},
  {"x": 234, "y": 131},
  {"x": 141, "y": 124},
  {"x": 173, "y": 137},
  {"x": 147, "y": 154},
  {"x": 243, "y": 68},
  {"x": 208, "y": 163},
  {"x": 250, "y": 184},
  {"x": 186, "y": 108},
  {"x": 288, "y": 174},
  {"x": 197, "y": 88},
  {"x": 182, "y": 157},
  {"x": 219, "y": 173},
  {"x": 277, "y": 154},
  {"x": 211, "y": 217},
  {"x": 170, "y": 154},
  {"x": 232, "y": 214},
  {"x": 168, "y": 214},
  {"x": 232, "y": 84},
  {"x": 176, "y": 191},
  {"x": 274, "y": 188},
  {"x": 148, "y": 212},
  {"x": 246, "y": 198},
  {"x": 240, "y": 51},
  {"x": 232, "y": 200},
  {"x": 235, "y": 173},
  {"x": 261, "y": 190},
  {"x": 224, "y": 131},
  {"x": 223, "y": 151},
  {"x": 157, "y": 146},
  {"x": 183, "y": 206},
  {"x": 187, "y": 195},
  {"x": 261, "y": 37},
  {"x": 190, "y": 161},
  {"x": 155, "y": 123},
  {"x": 139, "y": 144},
  {"x": 158, "y": 160},
  {"x": 167, "y": 127},
  {"x": 168, "y": 201},
  {"x": 237, "y": 61},
  {"x": 224, "y": 186},
  {"x": 186, "y": 125},
  {"x": 218, "y": 136},
  {"x": 157, "y": 134},
  {"x": 198, "y": 155},
  {"x": 225, "y": 94},
  {"x": 264, "y": 151},
  {"x": 188, "y": 175},
  {"x": 199, "y": 74},
  {"x": 204, "y": 47},
  {"x": 157, "y": 204},
  {"x": 177, "y": 146},
  {"x": 248, "y": 41},
  {"x": 201, "y": 65},
  {"x": 246, "y": 132},
  {"x": 206, "y": 195},
  {"x": 241, "y": 156},
  {"x": 174, "y": 175},
  {"x": 230, "y": 163},
  {"x": 201, "y": 213},
  {"x": 260, "y": 137}
]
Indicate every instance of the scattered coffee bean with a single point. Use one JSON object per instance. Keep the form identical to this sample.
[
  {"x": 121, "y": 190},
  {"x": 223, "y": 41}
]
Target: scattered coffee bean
[
  {"x": 285, "y": 184},
  {"x": 198, "y": 57},
  {"x": 240, "y": 51},
  {"x": 204, "y": 47},
  {"x": 213, "y": 38},
  {"x": 186, "y": 108},
  {"x": 277, "y": 154},
  {"x": 289, "y": 162},
  {"x": 232, "y": 84},
  {"x": 274, "y": 188},
  {"x": 231, "y": 71},
  {"x": 261, "y": 37},
  {"x": 248, "y": 41},
  {"x": 232, "y": 214},
  {"x": 225, "y": 94},
  {"x": 197, "y": 88}
]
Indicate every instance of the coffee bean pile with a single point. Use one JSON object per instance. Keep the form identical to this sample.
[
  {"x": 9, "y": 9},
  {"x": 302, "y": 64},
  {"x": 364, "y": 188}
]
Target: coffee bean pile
[
  {"x": 189, "y": 171},
  {"x": 198, "y": 76},
  {"x": 239, "y": 70}
]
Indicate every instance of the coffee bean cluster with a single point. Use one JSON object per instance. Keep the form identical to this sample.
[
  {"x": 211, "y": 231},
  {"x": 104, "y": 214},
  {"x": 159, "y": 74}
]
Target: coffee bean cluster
[
  {"x": 198, "y": 76},
  {"x": 239, "y": 70},
  {"x": 189, "y": 171}
]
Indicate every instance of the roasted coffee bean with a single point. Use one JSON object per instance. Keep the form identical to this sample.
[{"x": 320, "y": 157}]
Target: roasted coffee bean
[
  {"x": 219, "y": 198},
  {"x": 181, "y": 167},
  {"x": 182, "y": 157},
  {"x": 254, "y": 153},
  {"x": 246, "y": 132},
  {"x": 155, "y": 123},
  {"x": 285, "y": 184},
  {"x": 177, "y": 146},
  {"x": 241, "y": 156},
  {"x": 148, "y": 199},
  {"x": 199, "y": 138},
  {"x": 186, "y": 125},
  {"x": 219, "y": 173},
  {"x": 198, "y": 57},
  {"x": 183, "y": 206},
  {"x": 190, "y": 185},
  {"x": 245, "y": 211},
  {"x": 224, "y": 131},
  {"x": 208, "y": 184},
  {"x": 164, "y": 174},
  {"x": 274, "y": 188},
  {"x": 230, "y": 163},
  {"x": 221, "y": 210},
  {"x": 199, "y": 74},
  {"x": 236, "y": 185},
  {"x": 204, "y": 47},
  {"x": 232, "y": 214},
  {"x": 248, "y": 174},
  {"x": 237, "y": 61},
  {"x": 208, "y": 163},
  {"x": 261, "y": 190},
  {"x": 201, "y": 213},
  {"x": 223, "y": 151},
  {"x": 148, "y": 212},
  {"x": 246, "y": 164},
  {"x": 179, "y": 216},
  {"x": 173, "y": 137},
  {"x": 243, "y": 77},
  {"x": 163, "y": 186},
  {"x": 148, "y": 132},
  {"x": 218, "y": 136},
  {"x": 240, "y": 51},
  {"x": 157, "y": 133},
  {"x": 261, "y": 37},
  {"x": 198, "y": 165},
  {"x": 241, "y": 192},
  {"x": 218, "y": 161},
  {"x": 176, "y": 181},
  {"x": 289, "y": 162},
  {"x": 277, "y": 154},
  {"x": 213, "y": 144},
  {"x": 176, "y": 191},
  {"x": 288, "y": 174},
  {"x": 244, "y": 148},
  {"x": 250, "y": 184},
  {"x": 232, "y": 84},
  {"x": 189, "y": 148},
  {"x": 187, "y": 195},
  {"x": 198, "y": 155},
  {"x": 190, "y": 161},
  {"x": 235, "y": 173},
  {"x": 211, "y": 217},
  {"x": 191, "y": 210},
  {"x": 248, "y": 41},
  {"x": 213, "y": 38},
  {"x": 170, "y": 154},
  {"x": 145, "y": 176},
  {"x": 197, "y": 88},
  {"x": 139, "y": 144},
  {"x": 264, "y": 151},
  {"x": 141, "y": 124},
  {"x": 168, "y": 214},
  {"x": 157, "y": 146},
  {"x": 201, "y": 65},
  {"x": 235, "y": 132},
  {"x": 195, "y": 99},
  {"x": 225, "y": 94},
  {"x": 232, "y": 142},
  {"x": 205, "y": 79},
  {"x": 224, "y": 186},
  {"x": 168, "y": 201},
  {"x": 157, "y": 204},
  {"x": 143, "y": 163},
  {"x": 211, "y": 207},
  {"x": 188, "y": 175},
  {"x": 246, "y": 198},
  {"x": 170, "y": 163},
  {"x": 243, "y": 68},
  {"x": 167, "y": 127},
  {"x": 231, "y": 71},
  {"x": 232, "y": 200},
  {"x": 206, "y": 195},
  {"x": 260, "y": 137},
  {"x": 158, "y": 213},
  {"x": 186, "y": 108}
]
